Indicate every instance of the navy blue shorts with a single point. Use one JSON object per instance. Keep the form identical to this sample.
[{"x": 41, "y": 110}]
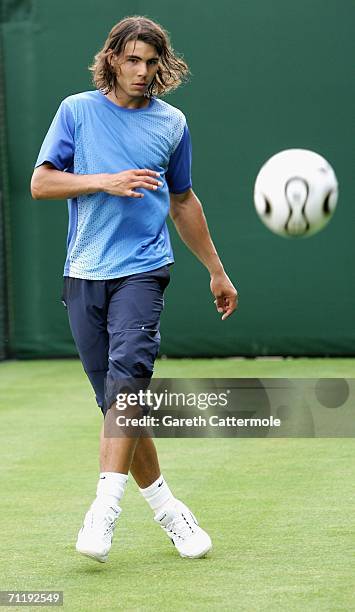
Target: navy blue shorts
[{"x": 115, "y": 326}]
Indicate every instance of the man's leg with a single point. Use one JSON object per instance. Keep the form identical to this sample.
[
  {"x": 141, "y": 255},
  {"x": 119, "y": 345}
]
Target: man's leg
[
  {"x": 139, "y": 456},
  {"x": 145, "y": 465},
  {"x": 116, "y": 454},
  {"x": 125, "y": 314},
  {"x": 87, "y": 306}
]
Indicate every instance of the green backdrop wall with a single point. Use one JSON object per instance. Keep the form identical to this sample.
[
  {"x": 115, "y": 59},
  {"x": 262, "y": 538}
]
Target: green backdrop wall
[{"x": 266, "y": 76}]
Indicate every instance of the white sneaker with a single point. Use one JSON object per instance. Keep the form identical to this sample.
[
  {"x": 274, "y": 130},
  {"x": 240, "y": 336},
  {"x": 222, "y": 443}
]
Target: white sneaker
[
  {"x": 182, "y": 528},
  {"x": 95, "y": 536}
]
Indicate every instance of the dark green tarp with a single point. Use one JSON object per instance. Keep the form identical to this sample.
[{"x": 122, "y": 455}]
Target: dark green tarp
[{"x": 266, "y": 76}]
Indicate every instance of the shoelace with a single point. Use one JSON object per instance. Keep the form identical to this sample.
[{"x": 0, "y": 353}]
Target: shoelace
[
  {"x": 181, "y": 527},
  {"x": 109, "y": 519}
]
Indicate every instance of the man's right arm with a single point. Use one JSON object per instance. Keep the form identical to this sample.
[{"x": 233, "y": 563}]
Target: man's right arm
[{"x": 48, "y": 183}]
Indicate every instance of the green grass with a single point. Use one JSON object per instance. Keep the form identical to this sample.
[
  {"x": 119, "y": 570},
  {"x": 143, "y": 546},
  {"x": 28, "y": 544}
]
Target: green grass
[{"x": 279, "y": 511}]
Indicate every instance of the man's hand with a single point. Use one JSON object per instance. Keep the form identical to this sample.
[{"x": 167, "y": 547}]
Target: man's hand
[
  {"x": 187, "y": 213},
  {"x": 124, "y": 183},
  {"x": 225, "y": 293}
]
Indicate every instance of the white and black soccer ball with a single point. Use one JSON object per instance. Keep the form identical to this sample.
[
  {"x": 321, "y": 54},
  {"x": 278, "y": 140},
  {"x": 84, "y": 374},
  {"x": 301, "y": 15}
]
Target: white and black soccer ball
[{"x": 295, "y": 193}]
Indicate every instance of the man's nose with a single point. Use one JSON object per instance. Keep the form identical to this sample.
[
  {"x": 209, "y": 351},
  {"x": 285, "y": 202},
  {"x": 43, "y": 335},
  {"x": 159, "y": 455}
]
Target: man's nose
[{"x": 143, "y": 70}]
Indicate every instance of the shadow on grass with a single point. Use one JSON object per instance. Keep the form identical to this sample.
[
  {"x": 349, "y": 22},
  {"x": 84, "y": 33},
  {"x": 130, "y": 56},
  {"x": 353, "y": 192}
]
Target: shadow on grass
[{"x": 133, "y": 563}]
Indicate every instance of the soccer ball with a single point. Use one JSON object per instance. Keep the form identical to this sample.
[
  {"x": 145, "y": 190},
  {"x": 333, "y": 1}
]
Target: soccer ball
[{"x": 295, "y": 193}]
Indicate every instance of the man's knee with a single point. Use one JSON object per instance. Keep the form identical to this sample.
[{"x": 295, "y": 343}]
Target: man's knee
[
  {"x": 133, "y": 352},
  {"x": 131, "y": 363}
]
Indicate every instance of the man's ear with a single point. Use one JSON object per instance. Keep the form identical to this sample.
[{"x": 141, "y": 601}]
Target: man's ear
[
  {"x": 112, "y": 60},
  {"x": 110, "y": 57}
]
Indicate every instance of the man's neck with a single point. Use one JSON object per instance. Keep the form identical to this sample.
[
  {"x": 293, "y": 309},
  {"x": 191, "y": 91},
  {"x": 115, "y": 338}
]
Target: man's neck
[{"x": 125, "y": 101}]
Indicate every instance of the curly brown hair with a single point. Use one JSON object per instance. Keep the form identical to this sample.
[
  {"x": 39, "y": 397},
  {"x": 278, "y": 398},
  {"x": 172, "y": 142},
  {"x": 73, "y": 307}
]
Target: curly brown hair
[{"x": 172, "y": 70}]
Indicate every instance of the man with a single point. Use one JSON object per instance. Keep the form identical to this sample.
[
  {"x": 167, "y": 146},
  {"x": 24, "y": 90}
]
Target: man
[{"x": 122, "y": 157}]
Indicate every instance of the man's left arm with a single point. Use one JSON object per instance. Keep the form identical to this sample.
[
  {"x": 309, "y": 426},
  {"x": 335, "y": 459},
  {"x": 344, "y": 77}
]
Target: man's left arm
[{"x": 187, "y": 214}]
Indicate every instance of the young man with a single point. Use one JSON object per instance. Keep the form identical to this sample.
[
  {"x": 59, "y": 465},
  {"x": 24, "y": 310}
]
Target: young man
[{"x": 122, "y": 157}]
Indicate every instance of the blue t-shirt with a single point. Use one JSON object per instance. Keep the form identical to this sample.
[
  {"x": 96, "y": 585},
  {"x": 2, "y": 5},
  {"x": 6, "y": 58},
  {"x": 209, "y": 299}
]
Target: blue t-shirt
[{"x": 112, "y": 236}]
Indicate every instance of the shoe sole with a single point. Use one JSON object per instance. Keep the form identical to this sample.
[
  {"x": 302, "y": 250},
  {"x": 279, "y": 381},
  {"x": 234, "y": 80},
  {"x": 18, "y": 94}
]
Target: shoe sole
[
  {"x": 91, "y": 555},
  {"x": 199, "y": 556}
]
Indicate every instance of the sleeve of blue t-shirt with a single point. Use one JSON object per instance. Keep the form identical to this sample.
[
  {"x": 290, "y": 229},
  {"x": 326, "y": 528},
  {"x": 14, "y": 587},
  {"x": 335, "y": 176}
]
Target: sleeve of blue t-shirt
[
  {"x": 58, "y": 145},
  {"x": 178, "y": 174}
]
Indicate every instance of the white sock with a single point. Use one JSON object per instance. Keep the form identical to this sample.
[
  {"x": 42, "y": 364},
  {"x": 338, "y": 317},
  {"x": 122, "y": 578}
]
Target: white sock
[
  {"x": 110, "y": 487},
  {"x": 157, "y": 494}
]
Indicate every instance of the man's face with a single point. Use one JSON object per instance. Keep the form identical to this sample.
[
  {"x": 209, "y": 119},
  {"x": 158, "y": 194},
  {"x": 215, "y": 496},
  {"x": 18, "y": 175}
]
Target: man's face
[{"x": 136, "y": 68}]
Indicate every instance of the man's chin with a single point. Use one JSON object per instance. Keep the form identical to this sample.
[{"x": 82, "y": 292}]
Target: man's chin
[{"x": 136, "y": 95}]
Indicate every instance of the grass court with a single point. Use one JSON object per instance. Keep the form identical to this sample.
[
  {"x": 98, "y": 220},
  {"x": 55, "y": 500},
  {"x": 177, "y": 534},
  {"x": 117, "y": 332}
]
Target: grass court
[{"x": 279, "y": 511}]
